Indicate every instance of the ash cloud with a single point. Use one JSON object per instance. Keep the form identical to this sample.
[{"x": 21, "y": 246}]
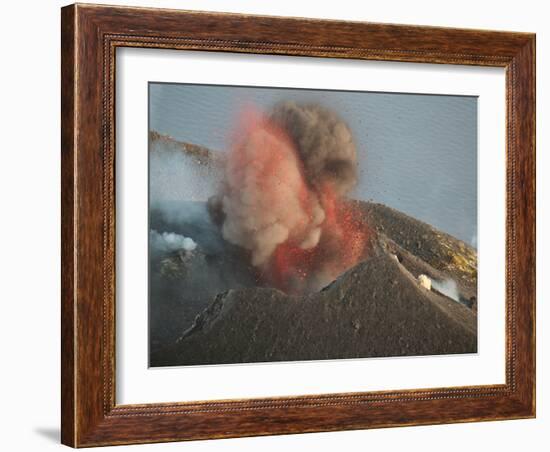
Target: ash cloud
[
  {"x": 324, "y": 143},
  {"x": 283, "y": 196}
]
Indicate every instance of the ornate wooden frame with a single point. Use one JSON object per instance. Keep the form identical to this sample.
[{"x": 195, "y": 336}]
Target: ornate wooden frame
[{"x": 90, "y": 35}]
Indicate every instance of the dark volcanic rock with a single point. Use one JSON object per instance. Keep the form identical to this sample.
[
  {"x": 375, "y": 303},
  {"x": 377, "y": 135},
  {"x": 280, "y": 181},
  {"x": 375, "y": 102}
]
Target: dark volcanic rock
[
  {"x": 182, "y": 283},
  {"x": 443, "y": 252},
  {"x": 375, "y": 309}
]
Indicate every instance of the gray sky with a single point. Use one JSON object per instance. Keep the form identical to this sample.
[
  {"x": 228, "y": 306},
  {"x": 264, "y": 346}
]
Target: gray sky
[{"x": 417, "y": 153}]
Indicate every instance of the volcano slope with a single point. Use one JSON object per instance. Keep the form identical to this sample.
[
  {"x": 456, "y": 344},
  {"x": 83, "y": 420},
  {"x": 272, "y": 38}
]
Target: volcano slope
[
  {"x": 375, "y": 309},
  {"x": 206, "y": 306}
]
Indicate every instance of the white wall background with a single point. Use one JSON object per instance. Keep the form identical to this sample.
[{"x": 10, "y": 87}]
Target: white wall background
[{"x": 29, "y": 249}]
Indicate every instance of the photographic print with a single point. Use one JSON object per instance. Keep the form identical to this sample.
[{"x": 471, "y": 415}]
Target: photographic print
[{"x": 297, "y": 224}]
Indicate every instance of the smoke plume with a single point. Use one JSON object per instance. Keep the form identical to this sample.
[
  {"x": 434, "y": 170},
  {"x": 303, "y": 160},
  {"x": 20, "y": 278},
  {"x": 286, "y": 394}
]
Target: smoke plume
[
  {"x": 169, "y": 241},
  {"x": 447, "y": 287},
  {"x": 283, "y": 196}
]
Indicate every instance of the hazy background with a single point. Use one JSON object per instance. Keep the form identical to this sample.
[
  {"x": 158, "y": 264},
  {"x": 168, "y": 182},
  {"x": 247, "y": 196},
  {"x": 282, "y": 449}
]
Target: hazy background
[{"x": 417, "y": 153}]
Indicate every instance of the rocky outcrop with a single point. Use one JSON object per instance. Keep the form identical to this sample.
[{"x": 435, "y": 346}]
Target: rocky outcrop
[{"x": 443, "y": 252}]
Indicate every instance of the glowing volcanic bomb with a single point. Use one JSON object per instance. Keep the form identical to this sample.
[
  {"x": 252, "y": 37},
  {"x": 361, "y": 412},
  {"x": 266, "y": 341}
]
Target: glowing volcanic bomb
[{"x": 283, "y": 198}]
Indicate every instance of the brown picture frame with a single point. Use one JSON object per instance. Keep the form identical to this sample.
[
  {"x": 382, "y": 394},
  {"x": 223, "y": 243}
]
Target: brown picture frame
[{"x": 90, "y": 35}]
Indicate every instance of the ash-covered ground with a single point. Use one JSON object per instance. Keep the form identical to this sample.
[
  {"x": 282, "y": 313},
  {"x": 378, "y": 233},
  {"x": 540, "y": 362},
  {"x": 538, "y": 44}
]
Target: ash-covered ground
[{"x": 207, "y": 305}]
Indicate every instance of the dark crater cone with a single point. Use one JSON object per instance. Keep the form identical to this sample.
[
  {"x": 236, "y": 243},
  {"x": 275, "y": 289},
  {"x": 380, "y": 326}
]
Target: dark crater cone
[{"x": 375, "y": 309}]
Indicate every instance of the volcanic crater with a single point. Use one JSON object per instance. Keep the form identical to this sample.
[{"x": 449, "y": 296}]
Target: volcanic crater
[{"x": 282, "y": 264}]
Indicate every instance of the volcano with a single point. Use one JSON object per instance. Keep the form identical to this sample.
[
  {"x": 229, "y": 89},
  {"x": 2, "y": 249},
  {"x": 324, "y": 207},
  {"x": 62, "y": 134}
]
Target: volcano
[
  {"x": 359, "y": 280},
  {"x": 377, "y": 308}
]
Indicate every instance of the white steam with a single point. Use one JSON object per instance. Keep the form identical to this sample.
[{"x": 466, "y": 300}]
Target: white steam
[
  {"x": 178, "y": 174},
  {"x": 447, "y": 287},
  {"x": 425, "y": 282},
  {"x": 169, "y": 241}
]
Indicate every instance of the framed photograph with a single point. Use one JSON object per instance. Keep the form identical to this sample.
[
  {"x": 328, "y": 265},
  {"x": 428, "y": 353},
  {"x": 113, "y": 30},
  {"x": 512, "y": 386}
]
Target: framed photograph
[{"x": 281, "y": 225}]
